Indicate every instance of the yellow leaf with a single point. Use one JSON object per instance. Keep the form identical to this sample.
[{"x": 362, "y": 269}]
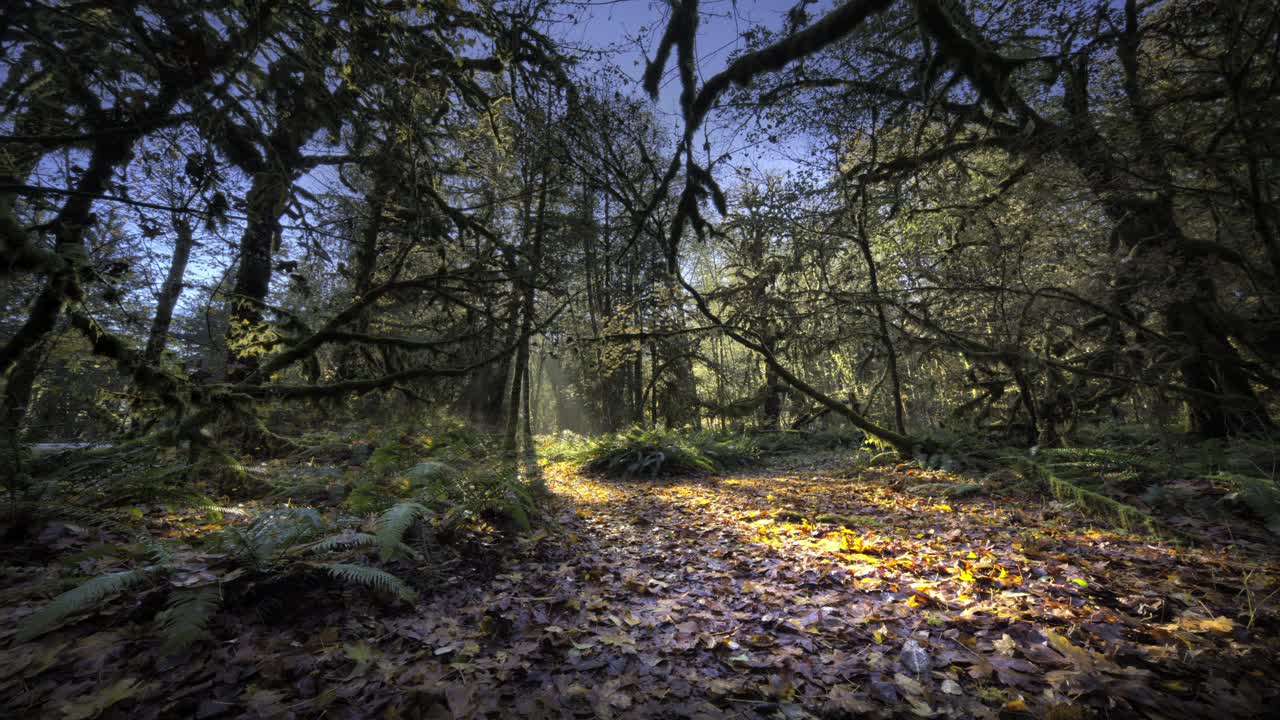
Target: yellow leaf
[{"x": 1198, "y": 624}]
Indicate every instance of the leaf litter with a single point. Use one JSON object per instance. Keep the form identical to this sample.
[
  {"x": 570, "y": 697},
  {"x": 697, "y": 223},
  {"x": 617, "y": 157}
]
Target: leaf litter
[{"x": 765, "y": 595}]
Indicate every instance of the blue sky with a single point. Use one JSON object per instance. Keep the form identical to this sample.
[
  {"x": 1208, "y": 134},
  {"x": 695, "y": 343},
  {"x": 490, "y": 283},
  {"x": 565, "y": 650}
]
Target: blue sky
[{"x": 631, "y": 29}]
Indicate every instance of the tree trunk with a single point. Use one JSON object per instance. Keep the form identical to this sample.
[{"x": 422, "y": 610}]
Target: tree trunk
[
  {"x": 520, "y": 375},
  {"x": 169, "y": 292},
  {"x": 245, "y": 340},
  {"x": 1220, "y": 400},
  {"x": 366, "y": 262},
  {"x": 771, "y": 408},
  {"x": 873, "y": 279},
  {"x": 13, "y": 414},
  {"x": 517, "y": 380}
]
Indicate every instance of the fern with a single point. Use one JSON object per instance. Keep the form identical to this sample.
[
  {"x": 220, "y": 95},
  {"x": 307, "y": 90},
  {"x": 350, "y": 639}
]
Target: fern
[
  {"x": 392, "y": 526},
  {"x": 342, "y": 541},
  {"x": 518, "y": 515},
  {"x": 430, "y": 471},
  {"x": 372, "y": 578},
  {"x": 274, "y": 533},
  {"x": 1260, "y": 495},
  {"x": 105, "y": 520},
  {"x": 657, "y": 452},
  {"x": 185, "y": 620},
  {"x": 83, "y": 597},
  {"x": 1098, "y": 459}
]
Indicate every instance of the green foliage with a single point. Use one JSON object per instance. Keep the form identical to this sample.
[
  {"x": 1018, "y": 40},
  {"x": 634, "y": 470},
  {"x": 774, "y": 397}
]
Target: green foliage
[
  {"x": 185, "y": 620},
  {"x": 392, "y": 457},
  {"x": 1097, "y": 504},
  {"x": 220, "y": 470},
  {"x": 1260, "y": 495},
  {"x": 276, "y": 546},
  {"x": 372, "y": 578},
  {"x": 347, "y": 540},
  {"x": 562, "y": 446},
  {"x": 87, "y": 596},
  {"x": 121, "y": 477},
  {"x": 392, "y": 526},
  {"x": 493, "y": 490},
  {"x": 796, "y": 441},
  {"x": 371, "y": 495},
  {"x": 274, "y": 533},
  {"x": 1091, "y": 502},
  {"x": 1100, "y": 461},
  {"x": 653, "y": 453},
  {"x": 428, "y": 472},
  {"x": 449, "y": 438}
]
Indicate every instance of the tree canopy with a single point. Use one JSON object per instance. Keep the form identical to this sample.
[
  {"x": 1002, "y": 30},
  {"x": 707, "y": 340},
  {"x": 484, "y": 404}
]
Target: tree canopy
[{"x": 966, "y": 236}]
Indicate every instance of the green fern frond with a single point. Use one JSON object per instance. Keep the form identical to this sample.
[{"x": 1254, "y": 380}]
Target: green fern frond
[
  {"x": 1260, "y": 495},
  {"x": 274, "y": 533},
  {"x": 428, "y": 472},
  {"x": 186, "y": 618},
  {"x": 392, "y": 526},
  {"x": 1090, "y": 459},
  {"x": 83, "y": 597},
  {"x": 111, "y": 521},
  {"x": 343, "y": 541},
  {"x": 372, "y": 578}
]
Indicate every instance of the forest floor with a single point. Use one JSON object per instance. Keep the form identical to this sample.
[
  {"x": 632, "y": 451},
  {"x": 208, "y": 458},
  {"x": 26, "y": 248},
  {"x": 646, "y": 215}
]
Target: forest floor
[{"x": 790, "y": 592}]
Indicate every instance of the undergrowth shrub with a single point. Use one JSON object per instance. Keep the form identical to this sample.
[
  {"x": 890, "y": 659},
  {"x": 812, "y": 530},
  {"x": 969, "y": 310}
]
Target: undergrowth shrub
[
  {"x": 655, "y": 453},
  {"x": 386, "y": 517},
  {"x": 493, "y": 491},
  {"x": 283, "y": 545},
  {"x": 1259, "y": 495},
  {"x": 1077, "y": 475},
  {"x": 796, "y": 441},
  {"x": 1115, "y": 482}
]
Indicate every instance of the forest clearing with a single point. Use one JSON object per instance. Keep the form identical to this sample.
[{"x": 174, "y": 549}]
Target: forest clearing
[{"x": 762, "y": 359}]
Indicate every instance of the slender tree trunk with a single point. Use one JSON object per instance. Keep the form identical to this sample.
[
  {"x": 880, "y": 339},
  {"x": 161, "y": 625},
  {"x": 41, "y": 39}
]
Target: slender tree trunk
[
  {"x": 520, "y": 375},
  {"x": 13, "y": 415},
  {"x": 527, "y": 408},
  {"x": 366, "y": 262},
  {"x": 873, "y": 279},
  {"x": 158, "y": 337},
  {"x": 771, "y": 408}
]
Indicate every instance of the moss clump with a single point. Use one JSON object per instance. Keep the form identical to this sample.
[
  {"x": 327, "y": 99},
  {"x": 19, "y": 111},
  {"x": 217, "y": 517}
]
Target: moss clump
[
  {"x": 660, "y": 453},
  {"x": 789, "y": 516},
  {"x": 954, "y": 491},
  {"x": 852, "y": 522}
]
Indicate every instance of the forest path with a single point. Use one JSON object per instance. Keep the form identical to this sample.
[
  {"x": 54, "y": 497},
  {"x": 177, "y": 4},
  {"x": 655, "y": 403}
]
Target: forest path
[
  {"x": 725, "y": 598},
  {"x": 767, "y": 594}
]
